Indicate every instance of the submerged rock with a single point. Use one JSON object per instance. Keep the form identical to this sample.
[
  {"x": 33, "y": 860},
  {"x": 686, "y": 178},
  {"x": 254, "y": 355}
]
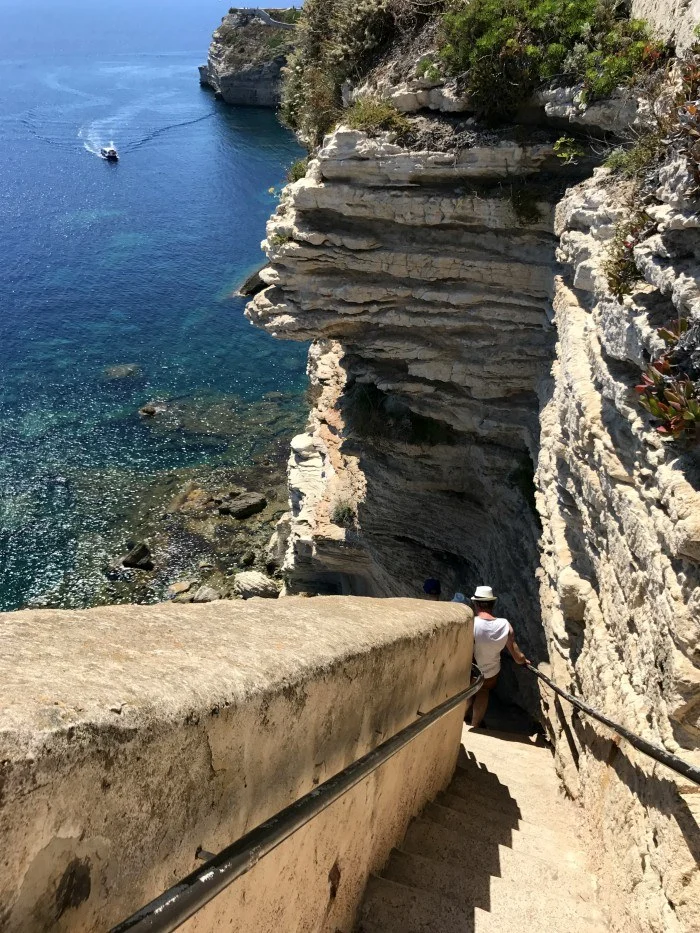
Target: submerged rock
[
  {"x": 244, "y": 505},
  {"x": 248, "y": 559},
  {"x": 251, "y": 583},
  {"x": 150, "y": 409},
  {"x": 177, "y": 589},
  {"x": 139, "y": 557},
  {"x": 122, "y": 371}
]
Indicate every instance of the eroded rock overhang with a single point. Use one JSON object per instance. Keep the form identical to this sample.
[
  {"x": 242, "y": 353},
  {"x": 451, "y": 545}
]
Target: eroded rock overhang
[{"x": 426, "y": 279}]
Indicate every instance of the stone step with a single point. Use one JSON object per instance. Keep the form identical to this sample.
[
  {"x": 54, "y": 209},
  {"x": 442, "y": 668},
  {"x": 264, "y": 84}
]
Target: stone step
[
  {"x": 467, "y": 886},
  {"x": 490, "y": 738},
  {"x": 493, "y": 821},
  {"x": 493, "y": 898},
  {"x": 493, "y": 782},
  {"x": 484, "y": 743},
  {"x": 504, "y": 755},
  {"x": 394, "y": 908},
  {"x": 559, "y": 851},
  {"x": 435, "y": 842},
  {"x": 504, "y": 762},
  {"x": 532, "y": 805},
  {"x": 548, "y": 913}
]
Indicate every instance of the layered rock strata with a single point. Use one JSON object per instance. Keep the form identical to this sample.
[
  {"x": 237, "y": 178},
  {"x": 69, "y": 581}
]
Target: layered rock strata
[
  {"x": 246, "y": 58},
  {"x": 459, "y": 337},
  {"x": 621, "y": 553},
  {"x": 428, "y": 296}
]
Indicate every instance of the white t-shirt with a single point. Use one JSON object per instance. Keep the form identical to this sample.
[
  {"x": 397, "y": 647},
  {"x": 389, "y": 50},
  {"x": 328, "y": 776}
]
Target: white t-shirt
[{"x": 490, "y": 637}]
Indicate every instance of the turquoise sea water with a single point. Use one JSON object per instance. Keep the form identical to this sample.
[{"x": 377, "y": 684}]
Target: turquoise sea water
[{"x": 129, "y": 264}]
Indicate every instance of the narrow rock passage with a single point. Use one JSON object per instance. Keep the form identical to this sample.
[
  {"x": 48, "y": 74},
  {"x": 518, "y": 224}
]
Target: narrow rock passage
[{"x": 498, "y": 851}]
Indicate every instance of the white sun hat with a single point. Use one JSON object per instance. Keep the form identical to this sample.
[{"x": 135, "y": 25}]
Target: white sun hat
[{"x": 484, "y": 594}]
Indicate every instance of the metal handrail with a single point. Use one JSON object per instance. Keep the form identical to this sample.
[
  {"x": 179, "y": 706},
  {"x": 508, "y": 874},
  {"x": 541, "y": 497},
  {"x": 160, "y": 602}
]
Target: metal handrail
[
  {"x": 679, "y": 765},
  {"x": 168, "y": 911}
]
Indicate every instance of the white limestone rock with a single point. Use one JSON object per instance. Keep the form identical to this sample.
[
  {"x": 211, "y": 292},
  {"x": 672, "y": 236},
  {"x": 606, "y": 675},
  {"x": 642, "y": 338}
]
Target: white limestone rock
[{"x": 250, "y": 583}]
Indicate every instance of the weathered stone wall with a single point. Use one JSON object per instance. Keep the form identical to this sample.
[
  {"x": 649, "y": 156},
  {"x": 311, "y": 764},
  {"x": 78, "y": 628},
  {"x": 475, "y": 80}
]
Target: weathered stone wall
[
  {"x": 418, "y": 279},
  {"x": 130, "y": 736},
  {"x": 621, "y": 556}
]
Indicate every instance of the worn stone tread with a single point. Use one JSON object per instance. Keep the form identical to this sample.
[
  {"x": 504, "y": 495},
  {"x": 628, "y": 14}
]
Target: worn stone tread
[
  {"x": 497, "y": 852},
  {"x": 391, "y": 907},
  {"x": 472, "y": 890},
  {"x": 559, "y": 851},
  {"x": 534, "y": 804},
  {"x": 434, "y": 841},
  {"x": 492, "y": 820}
]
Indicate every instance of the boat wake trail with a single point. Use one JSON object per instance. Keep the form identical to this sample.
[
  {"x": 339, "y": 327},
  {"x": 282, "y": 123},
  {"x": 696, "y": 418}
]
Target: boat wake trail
[{"x": 101, "y": 133}]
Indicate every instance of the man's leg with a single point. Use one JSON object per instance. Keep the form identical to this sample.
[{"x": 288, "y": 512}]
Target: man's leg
[{"x": 481, "y": 701}]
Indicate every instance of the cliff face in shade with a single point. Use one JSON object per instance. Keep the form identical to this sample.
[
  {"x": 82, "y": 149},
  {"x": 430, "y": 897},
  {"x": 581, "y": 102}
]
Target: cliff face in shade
[
  {"x": 460, "y": 345},
  {"x": 245, "y": 60}
]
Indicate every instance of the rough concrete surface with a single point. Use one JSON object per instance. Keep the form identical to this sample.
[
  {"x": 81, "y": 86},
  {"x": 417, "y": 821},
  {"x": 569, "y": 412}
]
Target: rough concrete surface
[{"x": 131, "y": 735}]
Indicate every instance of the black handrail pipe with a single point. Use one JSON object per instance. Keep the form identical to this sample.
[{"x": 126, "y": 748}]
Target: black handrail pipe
[
  {"x": 177, "y": 904},
  {"x": 649, "y": 748}
]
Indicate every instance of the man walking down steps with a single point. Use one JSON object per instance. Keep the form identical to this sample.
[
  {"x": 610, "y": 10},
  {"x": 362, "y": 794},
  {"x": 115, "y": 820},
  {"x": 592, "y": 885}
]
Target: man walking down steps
[{"x": 491, "y": 636}]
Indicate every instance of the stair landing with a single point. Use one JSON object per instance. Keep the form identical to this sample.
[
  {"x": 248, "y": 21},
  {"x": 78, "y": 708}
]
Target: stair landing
[{"x": 498, "y": 851}]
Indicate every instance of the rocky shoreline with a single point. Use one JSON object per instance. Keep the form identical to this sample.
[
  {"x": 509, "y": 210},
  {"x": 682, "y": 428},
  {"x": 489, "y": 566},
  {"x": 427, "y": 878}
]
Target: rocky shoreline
[{"x": 184, "y": 533}]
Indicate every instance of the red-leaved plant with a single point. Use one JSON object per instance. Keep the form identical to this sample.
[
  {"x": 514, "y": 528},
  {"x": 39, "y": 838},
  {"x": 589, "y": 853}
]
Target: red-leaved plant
[{"x": 672, "y": 400}]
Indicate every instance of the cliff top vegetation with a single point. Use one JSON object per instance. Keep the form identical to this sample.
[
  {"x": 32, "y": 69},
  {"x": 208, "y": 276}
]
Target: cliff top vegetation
[
  {"x": 498, "y": 51},
  {"x": 246, "y": 40}
]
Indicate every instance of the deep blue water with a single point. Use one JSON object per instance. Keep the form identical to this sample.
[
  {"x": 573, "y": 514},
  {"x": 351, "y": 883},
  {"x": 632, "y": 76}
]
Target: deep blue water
[{"x": 104, "y": 265}]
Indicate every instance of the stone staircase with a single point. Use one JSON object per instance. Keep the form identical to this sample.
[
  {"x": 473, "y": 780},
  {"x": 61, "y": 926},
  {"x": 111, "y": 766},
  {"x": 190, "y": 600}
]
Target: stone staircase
[{"x": 498, "y": 851}]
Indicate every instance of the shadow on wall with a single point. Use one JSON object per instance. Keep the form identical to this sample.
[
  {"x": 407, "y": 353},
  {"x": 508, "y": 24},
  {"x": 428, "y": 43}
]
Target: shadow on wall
[
  {"x": 442, "y": 504},
  {"x": 653, "y": 792}
]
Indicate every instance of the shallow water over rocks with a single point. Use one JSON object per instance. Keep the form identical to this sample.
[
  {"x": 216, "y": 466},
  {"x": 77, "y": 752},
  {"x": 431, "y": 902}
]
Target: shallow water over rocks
[{"x": 116, "y": 293}]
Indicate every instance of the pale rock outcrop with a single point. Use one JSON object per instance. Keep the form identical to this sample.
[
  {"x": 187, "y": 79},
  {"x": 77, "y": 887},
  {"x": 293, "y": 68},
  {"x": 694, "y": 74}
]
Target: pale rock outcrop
[
  {"x": 621, "y": 558},
  {"x": 412, "y": 94},
  {"x": 672, "y": 20},
  {"x": 244, "y": 64},
  {"x": 250, "y": 583},
  {"x": 438, "y": 381},
  {"x": 429, "y": 300}
]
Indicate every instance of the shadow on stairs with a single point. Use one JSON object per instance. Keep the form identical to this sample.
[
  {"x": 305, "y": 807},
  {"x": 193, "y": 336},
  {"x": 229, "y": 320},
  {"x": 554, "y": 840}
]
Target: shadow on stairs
[{"x": 498, "y": 850}]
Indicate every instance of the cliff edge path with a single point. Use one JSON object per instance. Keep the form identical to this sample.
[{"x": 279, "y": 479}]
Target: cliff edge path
[{"x": 498, "y": 851}]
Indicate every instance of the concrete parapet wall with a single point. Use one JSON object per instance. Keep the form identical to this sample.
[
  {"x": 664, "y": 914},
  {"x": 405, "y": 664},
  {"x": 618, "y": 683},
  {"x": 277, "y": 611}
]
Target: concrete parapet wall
[{"x": 129, "y": 736}]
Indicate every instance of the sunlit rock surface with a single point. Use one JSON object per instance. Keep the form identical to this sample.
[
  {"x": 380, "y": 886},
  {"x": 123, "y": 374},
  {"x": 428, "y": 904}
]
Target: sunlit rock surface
[{"x": 463, "y": 335}]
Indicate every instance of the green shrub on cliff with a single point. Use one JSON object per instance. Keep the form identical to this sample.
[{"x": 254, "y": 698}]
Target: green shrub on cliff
[
  {"x": 376, "y": 116},
  {"x": 503, "y": 50},
  {"x": 337, "y": 40},
  {"x": 297, "y": 170}
]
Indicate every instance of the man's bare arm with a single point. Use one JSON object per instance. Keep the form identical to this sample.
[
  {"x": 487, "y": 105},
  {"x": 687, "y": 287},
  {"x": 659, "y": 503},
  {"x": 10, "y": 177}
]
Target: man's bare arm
[{"x": 513, "y": 648}]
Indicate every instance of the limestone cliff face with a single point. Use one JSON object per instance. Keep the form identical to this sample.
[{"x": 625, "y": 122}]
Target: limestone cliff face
[
  {"x": 245, "y": 60},
  {"x": 620, "y": 551},
  {"x": 429, "y": 300},
  {"x": 461, "y": 339}
]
